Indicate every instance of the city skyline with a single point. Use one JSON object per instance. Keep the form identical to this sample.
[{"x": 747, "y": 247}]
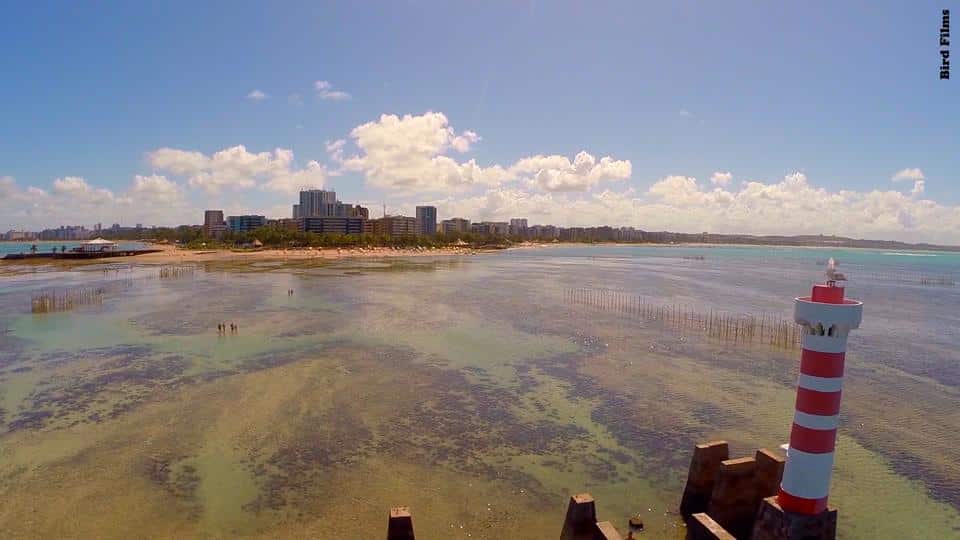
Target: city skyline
[{"x": 684, "y": 127}]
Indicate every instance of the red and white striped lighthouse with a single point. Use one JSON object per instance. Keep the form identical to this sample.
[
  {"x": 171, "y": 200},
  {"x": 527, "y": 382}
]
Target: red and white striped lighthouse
[{"x": 827, "y": 318}]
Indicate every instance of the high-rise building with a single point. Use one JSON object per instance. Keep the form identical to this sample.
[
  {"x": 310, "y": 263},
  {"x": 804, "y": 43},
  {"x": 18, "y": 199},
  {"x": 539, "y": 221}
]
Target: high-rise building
[
  {"x": 334, "y": 225},
  {"x": 491, "y": 228},
  {"x": 317, "y": 203},
  {"x": 213, "y": 224},
  {"x": 518, "y": 226},
  {"x": 323, "y": 203},
  {"x": 392, "y": 226},
  {"x": 358, "y": 211},
  {"x": 426, "y": 220},
  {"x": 455, "y": 226},
  {"x": 239, "y": 224}
]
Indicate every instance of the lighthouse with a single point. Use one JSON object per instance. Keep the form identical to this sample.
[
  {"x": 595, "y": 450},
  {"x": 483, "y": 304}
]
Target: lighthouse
[{"x": 827, "y": 318}]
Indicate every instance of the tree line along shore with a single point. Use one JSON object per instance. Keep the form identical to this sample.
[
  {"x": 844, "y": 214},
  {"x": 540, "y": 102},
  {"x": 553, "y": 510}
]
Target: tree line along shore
[{"x": 193, "y": 237}]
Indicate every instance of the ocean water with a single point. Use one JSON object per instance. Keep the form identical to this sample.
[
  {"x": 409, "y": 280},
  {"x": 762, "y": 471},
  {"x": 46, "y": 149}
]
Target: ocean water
[
  {"x": 47, "y": 246},
  {"x": 468, "y": 388}
]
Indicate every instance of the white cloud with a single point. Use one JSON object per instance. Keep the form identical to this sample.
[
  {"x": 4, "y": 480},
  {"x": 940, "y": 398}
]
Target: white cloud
[
  {"x": 73, "y": 200},
  {"x": 911, "y": 175},
  {"x": 325, "y": 91},
  {"x": 685, "y": 113},
  {"x": 156, "y": 188},
  {"x": 236, "y": 168},
  {"x": 720, "y": 178},
  {"x": 257, "y": 95},
  {"x": 407, "y": 154},
  {"x": 678, "y": 203},
  {"x": 557, "y": 173},
  {"x": 312, "y": 176},
  {"x": 908, "y": 174},
  {"x": 80, "y": 192}
]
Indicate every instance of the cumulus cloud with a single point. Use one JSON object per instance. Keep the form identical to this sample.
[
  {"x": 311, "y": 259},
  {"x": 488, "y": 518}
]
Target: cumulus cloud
[
  {"x": 326, "y": 92},
  {"x": 236, "y": 168},
  {"x": 313, "y": 176},
  {"x": 557, "y": 173},
  {"x": 156, "y": 188},
  {"x": 257, "y": 95},
  {"x": 720, "y": 178},
  {"x": 73, "y": 200},
  {"x": 911, "y": 175},
  {"x": 679, "y": 203},
  {"x": 409, "y": 154},
  {"x": 79, "y": 191}
]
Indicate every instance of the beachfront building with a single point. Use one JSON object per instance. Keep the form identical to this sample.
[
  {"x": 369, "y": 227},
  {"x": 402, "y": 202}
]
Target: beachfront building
[
  {"x": 455, "y": 226},
  {"x": 518, "y": 227},
  {"x": 358, "y": 211},
  {"x": 213, "y": 224},
  {"x": 68, "y": 232},
  {"x": 239, "y": 224},
  {"x": 15, "y": 236},
  {"x": 426, "y": 220},
  {"x": 491, "y": 228},
  {"x": 333, "y": 225},
  {"x": 316, "y": 203},
  {"x": 543, "y": 232},
  {"x": 392, "y": 226},
  {"x": 324, "y": 203}
]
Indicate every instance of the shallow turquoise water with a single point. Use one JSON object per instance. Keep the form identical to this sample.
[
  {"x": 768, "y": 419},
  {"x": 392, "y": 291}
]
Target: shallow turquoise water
[
  {"x": 47, "y": 246},
  {"x": 512, "y": 381}
]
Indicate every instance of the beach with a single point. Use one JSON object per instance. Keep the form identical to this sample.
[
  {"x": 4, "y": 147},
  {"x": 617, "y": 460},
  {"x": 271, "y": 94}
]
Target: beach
[{"x": 172, "y": 254}]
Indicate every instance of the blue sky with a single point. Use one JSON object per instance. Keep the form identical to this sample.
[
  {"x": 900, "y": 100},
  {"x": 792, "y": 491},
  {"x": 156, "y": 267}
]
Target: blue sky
[{"x": 845, "y": 95}]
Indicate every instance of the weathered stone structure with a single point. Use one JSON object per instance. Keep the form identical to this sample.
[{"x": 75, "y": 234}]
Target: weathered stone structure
[
  {"x": 703, "y": 527},
  {"x": 736, "y": 499},
  {"x": 774, "y": 523},
  {"x": 581, "y": 521},
  {"x": 704, "y": 467},
  {"x": 400, "y": 524}
]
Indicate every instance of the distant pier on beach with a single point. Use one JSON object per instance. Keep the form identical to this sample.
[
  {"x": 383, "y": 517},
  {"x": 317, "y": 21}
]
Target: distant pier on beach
[{"x": 97, "y": 248}]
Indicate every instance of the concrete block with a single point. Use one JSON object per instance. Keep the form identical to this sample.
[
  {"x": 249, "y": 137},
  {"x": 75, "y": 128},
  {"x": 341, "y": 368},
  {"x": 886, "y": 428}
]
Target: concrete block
[
  {"x": 581, "y": 520},
  {"x": 400, "y": 526},
  {"x": 769, "y": 473},
  {"x": 704, "y": 466},
  {"x": 703, "y": 527},
  {"x": 774, "y": 523},
  {"x": 733, "y": 503},
  {"x": 606, "y": 531}
]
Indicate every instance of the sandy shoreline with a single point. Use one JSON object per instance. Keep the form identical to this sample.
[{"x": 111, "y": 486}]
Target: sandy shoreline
[{"x": 174, "y": 255}]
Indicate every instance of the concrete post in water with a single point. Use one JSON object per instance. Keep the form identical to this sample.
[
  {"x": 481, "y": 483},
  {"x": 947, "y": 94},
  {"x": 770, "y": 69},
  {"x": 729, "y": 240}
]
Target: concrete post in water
[
  {"x": 733, "y": 503},
  {"x": 703, "y": 527},
  {"x": 769, "y": 475},
  {"x": 704, "y": 466},
  {"x": 400, "y": 526},
  {"x": 605, "y": 530},
  {"x": 827, "y": 318},
  {"x": 581, "y": 520}
]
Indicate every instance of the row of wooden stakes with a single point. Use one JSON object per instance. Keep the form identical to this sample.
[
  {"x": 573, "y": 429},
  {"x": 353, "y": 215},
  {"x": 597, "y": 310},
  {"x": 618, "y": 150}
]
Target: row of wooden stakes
[{"x": 723, "y": 326}]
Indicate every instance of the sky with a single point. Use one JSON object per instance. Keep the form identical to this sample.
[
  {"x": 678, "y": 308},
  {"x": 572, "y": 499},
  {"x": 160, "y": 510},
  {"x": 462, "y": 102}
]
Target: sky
[{"x": 733, "y": 117}]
